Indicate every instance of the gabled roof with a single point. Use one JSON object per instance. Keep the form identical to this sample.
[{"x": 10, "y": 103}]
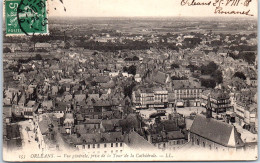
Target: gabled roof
[
  {"x": 159, "y": 77},
  {"x": 216, "y": 131},
  {"x": 135, "y": 141}
]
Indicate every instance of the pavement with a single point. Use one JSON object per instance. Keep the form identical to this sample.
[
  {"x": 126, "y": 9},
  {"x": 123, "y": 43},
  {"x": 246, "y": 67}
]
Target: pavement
[
  {"x": 28, "y": 137},
  {"x": 246, "y": 135},
  {"x": 186, "y": 111}
]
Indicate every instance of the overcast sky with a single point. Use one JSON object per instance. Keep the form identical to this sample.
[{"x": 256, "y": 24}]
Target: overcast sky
[{"x": 130, "y": 8}]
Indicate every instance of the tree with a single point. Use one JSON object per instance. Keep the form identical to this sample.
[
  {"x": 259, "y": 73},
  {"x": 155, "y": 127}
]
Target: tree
[
  {"x": 174, "y": 65},
  {"x": 135, "y": 58},
  {"x": 132, "y": 70},
  {"x": 61, "y": 91},
  {"x": 95, "y": 53},
  {"x": 128, "y": 90},
  {"x": 179, "y": 78},
  {"x": 240, "y": 75},
  {"x": 248, "y": 56},
  {"x": 38, "y": 57},
  {"x": 31, "y": 50},
  {"x": 125, "y": 69},
  {"x": 93, "y": 83},
  {"x": 208, "y": 83},
  {"x": 130, "y": 122},
  {"x": 7, "y": 50},
  {"x": 193, "y": 67},
  {"x": 209, "y": 69},
  {"x": 67, "y": 45},
  {"x": 188, "y": 103},
  {"x": 217, "y": 76}
]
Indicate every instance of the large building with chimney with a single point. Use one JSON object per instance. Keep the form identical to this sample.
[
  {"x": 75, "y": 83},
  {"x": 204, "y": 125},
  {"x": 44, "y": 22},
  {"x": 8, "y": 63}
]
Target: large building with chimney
[{"x": 212, "y": 134}]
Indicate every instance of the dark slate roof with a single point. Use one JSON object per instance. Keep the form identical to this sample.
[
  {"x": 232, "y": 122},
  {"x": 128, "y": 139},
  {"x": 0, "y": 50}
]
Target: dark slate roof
[
  {"x": 175, "y": 135},
  {"x": 79, "y": 117},
  {"x": 110, "y": 125},
  {"x": 12, "y": 131},
  {"x": 102, "y": 79},
  {"x": 135, "y": 141},
  {"x": 92, "y": 138},
  {"x": 214, "y": 130},
  {"x": 7, "y": 112},
  {"x": 61, "y": 106}
]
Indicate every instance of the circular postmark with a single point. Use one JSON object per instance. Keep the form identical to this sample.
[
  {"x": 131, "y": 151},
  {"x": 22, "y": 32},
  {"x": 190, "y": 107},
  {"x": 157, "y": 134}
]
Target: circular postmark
[{"x": 31, "y": 16}]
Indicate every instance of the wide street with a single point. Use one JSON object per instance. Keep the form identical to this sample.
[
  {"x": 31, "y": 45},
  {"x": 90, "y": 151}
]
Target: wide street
[{"x": 28, "y": 137}]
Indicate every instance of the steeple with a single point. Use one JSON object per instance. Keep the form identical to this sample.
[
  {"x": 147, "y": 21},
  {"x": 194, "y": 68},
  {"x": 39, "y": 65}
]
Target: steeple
[
  {"x": 208, "y": 109},
  {"x": 175, "y": 114}
]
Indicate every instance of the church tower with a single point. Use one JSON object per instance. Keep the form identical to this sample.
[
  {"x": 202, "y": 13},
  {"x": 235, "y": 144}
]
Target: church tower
[{"x": 208, "y": 109}]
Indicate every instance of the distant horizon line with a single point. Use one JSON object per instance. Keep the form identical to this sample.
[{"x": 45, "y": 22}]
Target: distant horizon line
[{"x": 202, "y": 17}]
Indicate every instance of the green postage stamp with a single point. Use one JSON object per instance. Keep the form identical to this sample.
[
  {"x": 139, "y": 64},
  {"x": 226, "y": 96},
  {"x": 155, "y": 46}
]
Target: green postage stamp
[{"x": 26, "y": 17}]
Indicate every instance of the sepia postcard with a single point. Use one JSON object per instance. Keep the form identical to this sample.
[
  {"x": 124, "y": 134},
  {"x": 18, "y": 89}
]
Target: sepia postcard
[{"x": 130, "y": 80}]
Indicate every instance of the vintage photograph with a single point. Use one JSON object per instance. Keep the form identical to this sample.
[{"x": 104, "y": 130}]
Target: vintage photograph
[{"x": 130, "y": 80}]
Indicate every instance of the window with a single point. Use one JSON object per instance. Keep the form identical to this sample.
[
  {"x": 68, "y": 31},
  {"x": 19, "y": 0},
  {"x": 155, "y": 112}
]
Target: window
[
  {"x": 88, "y": 146},
  {"x": 83, "y": 146},
  {"x": 210, "y": 147},
  {"x": 198, "y": 142},
  {"x": 98, "y": 145},
  {"x": 105, "y": 145},
  {"x": 178, "y": 142},
  {"x": 116, "y": 144},
  {"x": 203, "y": 144},
  {"x": 121, "y": 144},
  {"x": 111, "y": 144},
  {"x": 93, "y": 145}
]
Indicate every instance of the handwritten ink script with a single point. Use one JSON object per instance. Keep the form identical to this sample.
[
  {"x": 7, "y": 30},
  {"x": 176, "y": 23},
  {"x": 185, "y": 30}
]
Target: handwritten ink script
[{"x": 227, "y": 7}]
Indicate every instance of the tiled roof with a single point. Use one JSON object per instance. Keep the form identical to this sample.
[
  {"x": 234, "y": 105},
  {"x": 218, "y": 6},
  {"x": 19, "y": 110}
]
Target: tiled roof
[{"x": 216, "y": 131}]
